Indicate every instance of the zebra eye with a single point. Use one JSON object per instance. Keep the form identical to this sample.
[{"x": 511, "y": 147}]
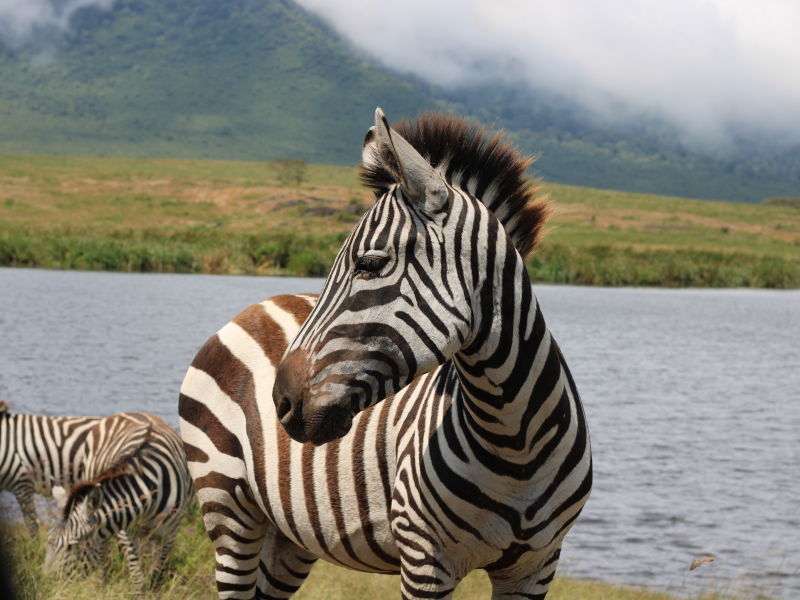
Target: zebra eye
[{"x": 369, "y": 265}]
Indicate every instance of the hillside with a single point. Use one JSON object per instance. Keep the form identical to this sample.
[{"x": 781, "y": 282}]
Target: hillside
[
  {"x": 239, "y": 80},
  {"x": 265, "y": 79},
  {"x": 259, "y": 218}
]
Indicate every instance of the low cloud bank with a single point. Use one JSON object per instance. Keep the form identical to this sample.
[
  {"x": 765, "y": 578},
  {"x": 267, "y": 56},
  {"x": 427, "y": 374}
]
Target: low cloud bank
[
  {"x": 19, "y": 19},
  {"x": 709, "y": 66}
]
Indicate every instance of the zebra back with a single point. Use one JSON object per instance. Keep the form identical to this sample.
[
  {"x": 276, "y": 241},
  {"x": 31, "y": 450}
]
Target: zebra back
[
  {"x": 38, "y": 452},
  {"x": 116, "y": 441}
]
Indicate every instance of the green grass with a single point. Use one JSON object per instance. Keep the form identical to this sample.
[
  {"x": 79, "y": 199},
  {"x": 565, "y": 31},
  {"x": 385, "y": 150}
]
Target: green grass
[
  {"x": 195, "y": 216},
  {"x": 190, "y": 251},
  {"x": 191, "y": 576},
  {"x": 621, "y": 266}
]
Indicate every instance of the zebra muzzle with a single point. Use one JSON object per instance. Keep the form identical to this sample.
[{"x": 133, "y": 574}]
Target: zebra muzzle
[{"x": 304, "y": 416}]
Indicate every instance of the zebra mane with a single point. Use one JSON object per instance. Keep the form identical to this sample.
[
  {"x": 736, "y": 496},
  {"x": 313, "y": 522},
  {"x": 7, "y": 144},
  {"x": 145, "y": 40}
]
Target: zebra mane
[
  {"x": 4, "y": 406},
  {"x": 82, "y": 488},
  {"x": 478, "y": 162}
]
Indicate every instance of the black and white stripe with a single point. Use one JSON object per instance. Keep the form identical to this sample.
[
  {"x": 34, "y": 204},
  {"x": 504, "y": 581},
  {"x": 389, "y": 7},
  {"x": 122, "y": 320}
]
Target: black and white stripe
[
  {"x": 436, "y": 426},
  {"x": 37, "y": 453},
  {"x": 137, "y": 488}
]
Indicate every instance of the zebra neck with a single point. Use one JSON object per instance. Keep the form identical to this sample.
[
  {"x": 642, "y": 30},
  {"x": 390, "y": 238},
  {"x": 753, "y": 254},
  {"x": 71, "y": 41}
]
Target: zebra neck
[{"x": 507, "y": 383}]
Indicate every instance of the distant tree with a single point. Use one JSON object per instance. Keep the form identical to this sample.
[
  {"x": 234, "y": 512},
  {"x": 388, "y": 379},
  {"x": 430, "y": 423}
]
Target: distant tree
[{"x": 291, "y": 171}]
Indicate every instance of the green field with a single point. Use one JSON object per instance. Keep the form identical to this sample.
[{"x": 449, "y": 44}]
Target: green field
[
  {"x": 191, "y": 577},
  {"x": 199, "y": 216}
]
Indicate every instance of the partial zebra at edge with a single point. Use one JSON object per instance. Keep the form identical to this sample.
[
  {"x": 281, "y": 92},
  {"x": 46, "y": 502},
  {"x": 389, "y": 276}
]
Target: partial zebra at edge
[{"x": 38, "y": 453}]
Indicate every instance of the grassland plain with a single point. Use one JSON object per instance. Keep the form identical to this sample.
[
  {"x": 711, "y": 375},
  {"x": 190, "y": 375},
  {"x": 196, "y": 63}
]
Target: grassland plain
[
  {"x": 202, "y": 216},
  {"x": 191, "y": 576}
]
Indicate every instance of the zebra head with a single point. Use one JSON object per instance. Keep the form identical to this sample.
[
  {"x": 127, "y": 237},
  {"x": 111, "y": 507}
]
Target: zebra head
[
  {"x": 73, "y": 543},
  {"x": 405, "y": 292}
]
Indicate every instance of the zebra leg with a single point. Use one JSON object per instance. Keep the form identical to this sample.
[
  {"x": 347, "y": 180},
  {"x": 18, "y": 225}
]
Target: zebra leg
[
  {"x": 236, "y": 526},
  {"x": 166, "y": 542},
  {"x": 283, "y": 567},
  {"x": 423, "y": 573},
  {"x": 521, "y": 583},
  {"x": 131, "y": 551},
  {"x": 24, "y": 495}
]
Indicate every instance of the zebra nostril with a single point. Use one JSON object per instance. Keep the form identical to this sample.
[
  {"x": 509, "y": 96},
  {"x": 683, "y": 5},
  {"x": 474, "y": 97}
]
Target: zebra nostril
[{"x": 284, "y": 408}]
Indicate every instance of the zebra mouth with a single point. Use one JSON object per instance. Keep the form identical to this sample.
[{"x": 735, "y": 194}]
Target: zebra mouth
[
  {"x": 334, "y": 423},
  {"x": 316, "y": 422}
]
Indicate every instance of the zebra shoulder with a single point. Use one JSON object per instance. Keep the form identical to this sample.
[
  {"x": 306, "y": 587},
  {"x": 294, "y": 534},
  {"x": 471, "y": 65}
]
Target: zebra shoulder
[{"x": 271, "y": 323}]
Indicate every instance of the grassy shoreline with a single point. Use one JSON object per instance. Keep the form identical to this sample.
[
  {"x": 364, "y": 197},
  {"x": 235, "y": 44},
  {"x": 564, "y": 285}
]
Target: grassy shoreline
[
  {"x": 146, "y": 215},
  {"x": 191, "y": 576}
]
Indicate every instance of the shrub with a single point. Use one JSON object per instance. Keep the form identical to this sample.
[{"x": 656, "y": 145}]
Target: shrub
[
  {"x": 291, "y": 171},
  {"x": 793, "y": 202}
]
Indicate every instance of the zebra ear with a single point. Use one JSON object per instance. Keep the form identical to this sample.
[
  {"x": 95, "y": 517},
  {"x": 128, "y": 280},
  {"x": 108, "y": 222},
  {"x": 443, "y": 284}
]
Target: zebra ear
[
  {"x": 94, "y": 498},
  {"x": 4, "y": 406},
  {"x": 384, "y": 147},
  {"x": 369, "y": 150}
]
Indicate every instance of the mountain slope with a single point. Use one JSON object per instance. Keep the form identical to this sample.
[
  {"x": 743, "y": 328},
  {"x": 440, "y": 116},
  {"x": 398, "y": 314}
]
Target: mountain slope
[
  {"x": 264, "y": 79},
  {"x": 239, "y": 79}
]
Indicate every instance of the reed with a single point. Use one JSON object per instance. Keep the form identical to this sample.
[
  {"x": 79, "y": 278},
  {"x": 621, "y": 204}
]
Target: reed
[{"x": 149, "y": 215}]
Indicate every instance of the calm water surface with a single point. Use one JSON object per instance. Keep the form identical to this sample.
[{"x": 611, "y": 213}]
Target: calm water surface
[{"x": 693, "y": 401}]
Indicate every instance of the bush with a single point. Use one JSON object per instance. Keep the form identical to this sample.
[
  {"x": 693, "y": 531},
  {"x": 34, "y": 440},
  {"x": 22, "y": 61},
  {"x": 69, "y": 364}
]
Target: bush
[
  {"x": 791, "y": 202},
  {"x": 309, "y": 263},
  {"x": 610, "y": 265},
  {"x": 291, "y": 171},
  {"x": 208, "y": 250}
]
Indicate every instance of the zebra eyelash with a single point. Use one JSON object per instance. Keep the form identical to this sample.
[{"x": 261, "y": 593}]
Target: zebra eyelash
[{"x": 369, "y": 265}]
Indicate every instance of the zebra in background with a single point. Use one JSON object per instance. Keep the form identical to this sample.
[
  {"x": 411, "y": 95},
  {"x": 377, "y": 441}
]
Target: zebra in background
[
  {"x": 38, "y": 453},
  {"x": 478, "y": 456},
  {"x": 138, "y": 488}
]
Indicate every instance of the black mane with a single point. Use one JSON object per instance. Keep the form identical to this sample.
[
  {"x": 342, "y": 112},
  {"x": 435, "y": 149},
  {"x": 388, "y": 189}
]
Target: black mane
[
  {"x": 477, "y": 162},
  {"x": 81, "y": 488}
]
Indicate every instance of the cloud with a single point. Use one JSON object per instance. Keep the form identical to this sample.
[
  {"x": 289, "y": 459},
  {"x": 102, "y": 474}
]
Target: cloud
[
  {"x": 19, "y": 19},
  {"x": 706, "y": 65}
]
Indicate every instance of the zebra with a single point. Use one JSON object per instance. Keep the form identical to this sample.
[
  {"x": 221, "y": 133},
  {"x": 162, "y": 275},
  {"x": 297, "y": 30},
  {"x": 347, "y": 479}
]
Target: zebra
[
  {"x": 138, "y": 488},
  {"x": 38, "y": 453},
  {"x": 430, "y": 425}
]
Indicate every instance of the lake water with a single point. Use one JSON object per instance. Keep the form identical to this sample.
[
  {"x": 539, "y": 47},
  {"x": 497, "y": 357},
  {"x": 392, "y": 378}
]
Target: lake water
[{"x": 693, "y": 401}]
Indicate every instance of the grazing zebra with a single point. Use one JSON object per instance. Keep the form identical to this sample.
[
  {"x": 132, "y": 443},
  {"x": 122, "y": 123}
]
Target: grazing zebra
[
  {"x": 137, "y": 488},
  {"x": 477, "y": 458},
  {"x": 38, "y": 453}
]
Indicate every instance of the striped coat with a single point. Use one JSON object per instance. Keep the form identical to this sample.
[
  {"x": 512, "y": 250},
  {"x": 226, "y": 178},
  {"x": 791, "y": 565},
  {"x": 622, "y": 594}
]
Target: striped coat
[
  {"x": 38, "y": 453},
  {"x": 434, "y": 427},
  {"x": 137, "y": 488}
]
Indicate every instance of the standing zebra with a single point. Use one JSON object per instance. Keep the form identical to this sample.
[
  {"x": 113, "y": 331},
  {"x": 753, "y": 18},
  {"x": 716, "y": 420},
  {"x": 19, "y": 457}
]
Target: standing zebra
[
  {"x": 38, "y": 453},
  {"x": 137, "y": 488},
  {"x": 478, "y": 456}
]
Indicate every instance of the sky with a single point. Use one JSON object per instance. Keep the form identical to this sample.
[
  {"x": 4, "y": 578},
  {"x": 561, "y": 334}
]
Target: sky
[{"x": 703, "y": 64}]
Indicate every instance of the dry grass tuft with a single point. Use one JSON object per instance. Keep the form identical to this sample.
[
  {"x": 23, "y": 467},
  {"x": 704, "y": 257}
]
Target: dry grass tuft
[{"x": 699, "y": 562}]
